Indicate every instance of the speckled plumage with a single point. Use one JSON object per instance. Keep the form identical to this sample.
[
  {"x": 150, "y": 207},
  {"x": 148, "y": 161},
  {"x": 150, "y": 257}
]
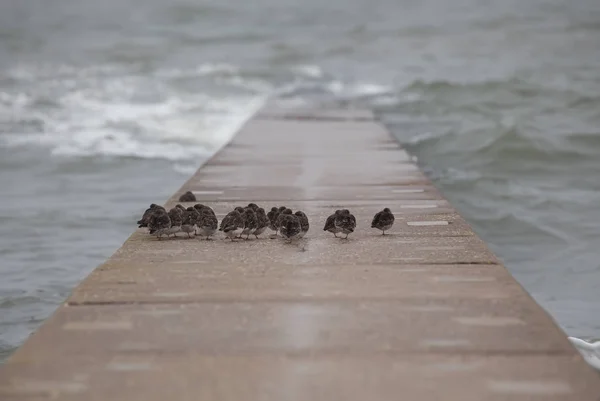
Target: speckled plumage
[
  {"x": 330, "y": 223},
  {"x": 199, "y": 207},
  {"x": 281, "y": 216},
  {"x": 207, "y": 224},
  {"x": 383, "y": 220},
  {"x": 272, "y": 216},
  {"x": 289, "y": 226},
  {"x": 232, "y": 224},
  {"x": 188, "y": 221},
  {"x": 262, "y": 220},
  {"x": 159, "y": 223},
  {"x": 187, "y": 197},
  {"x": 175, "y": 214},
  {"x": 143, "y": 222},
  {"x": 304, "y": 225},
  {"x": 250, "y": 222},
  {"x": 345, "y": 222}
]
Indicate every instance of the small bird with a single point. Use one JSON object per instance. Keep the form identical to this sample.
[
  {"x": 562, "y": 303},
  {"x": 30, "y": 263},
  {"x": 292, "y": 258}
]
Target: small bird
[
  {"x": 263, "y": 222},
  {"x": 250, "y": 222},
  {"x": 383, "y": 220},
  {"x": 280, "y": 217},
  {"x": 188, "y": 221},
  {"x": 207, "y": 223},
  {"x": 180, "y": 207},
  {"x": 176, "y": 217},
  {"x": 159, "y": 223},
  {"x": 253, "y": 206},
  {"x": 304, "y": 225},
  {"x": 143, "y": 222},
  {"x": 289, "y": 226},
  {"x": 232, "y": 224},
  {"x": 187, "y": 197},
  {"x": 330, "y": 224},
  {"x": 345, "y": 222},
  {"x": 200, "y": 206},
  {"x": 273, "y": 215}
]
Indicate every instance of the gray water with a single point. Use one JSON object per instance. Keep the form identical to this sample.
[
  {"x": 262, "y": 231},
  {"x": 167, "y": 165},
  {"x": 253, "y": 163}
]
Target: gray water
[{"x": 107, "y": 106}]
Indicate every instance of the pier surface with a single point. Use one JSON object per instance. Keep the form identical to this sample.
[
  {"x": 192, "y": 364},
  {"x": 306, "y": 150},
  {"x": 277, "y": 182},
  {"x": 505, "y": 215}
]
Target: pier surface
[{"x": 425, "y": 313}]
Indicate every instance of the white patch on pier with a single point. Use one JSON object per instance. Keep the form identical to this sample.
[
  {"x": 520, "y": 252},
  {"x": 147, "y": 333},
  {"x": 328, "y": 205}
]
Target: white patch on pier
[
  {"x": 529, "y": 387},
  {"x": 440, "y": 248},
  {"x": 455, "y": 366},
  {"x": 428, "y": 223},
  {"x": 463, "y": 279},
  {"x": 489, "y": 321},
  {"x": 408, "y": 191},
  {"x": 35, "y": 387},
  {"x": 98, "y": 325}
]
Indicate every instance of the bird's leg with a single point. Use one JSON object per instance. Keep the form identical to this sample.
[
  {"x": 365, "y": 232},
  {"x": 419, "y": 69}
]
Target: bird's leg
[
  {"x": 383, "y": 232},
  {"x": 346, "y": 236},
  {"x": 335, "y": 235}
]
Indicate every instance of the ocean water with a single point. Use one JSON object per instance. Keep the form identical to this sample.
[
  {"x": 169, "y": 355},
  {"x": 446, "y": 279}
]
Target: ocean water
[{"x": 107, "y": 106}]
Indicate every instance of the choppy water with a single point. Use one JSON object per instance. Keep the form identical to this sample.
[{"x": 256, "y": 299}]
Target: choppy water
[{"x": 106, "y": 106}]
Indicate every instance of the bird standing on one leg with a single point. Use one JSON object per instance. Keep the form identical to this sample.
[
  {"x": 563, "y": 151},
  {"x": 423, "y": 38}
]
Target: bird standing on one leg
[
  {"x": 330, "y": 224},
  {"x": 383, "y": 220},
  {"x": 304, "y": 224}
]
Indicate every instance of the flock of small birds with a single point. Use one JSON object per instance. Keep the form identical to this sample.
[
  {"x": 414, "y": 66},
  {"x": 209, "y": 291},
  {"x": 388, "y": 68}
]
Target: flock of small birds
[{"x": 251, "y": 220}]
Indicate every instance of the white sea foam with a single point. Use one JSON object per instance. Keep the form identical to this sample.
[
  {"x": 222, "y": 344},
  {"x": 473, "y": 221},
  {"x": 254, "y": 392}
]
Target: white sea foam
[
  {"x": 124, "y": 115},
  {"x": 357, "y": 89},
  {"x": 311, "y": 71},
  {"x": 105, "y": 111}
]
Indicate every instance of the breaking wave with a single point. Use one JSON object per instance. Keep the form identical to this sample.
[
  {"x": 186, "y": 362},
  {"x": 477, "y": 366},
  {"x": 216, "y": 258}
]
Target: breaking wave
[{"x": 180, "y": 115}]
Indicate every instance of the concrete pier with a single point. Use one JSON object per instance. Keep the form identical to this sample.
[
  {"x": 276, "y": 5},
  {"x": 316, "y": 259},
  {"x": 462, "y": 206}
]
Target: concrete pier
[{"x": 425, "y": 313}]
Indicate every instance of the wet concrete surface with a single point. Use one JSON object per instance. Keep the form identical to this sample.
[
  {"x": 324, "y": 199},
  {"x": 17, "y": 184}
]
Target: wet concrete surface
[{"x": 426, "y": 312}]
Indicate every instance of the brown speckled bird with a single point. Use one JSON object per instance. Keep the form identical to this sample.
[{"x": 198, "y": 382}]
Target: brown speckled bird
[
  {"x": 207, "y": 223},
  {"x": 232, "y": 224},
  {"x": 345, "y": 222},
  {"x": 250, "y": 222},
  {"x": 187, "y": 197},
  {"x": 263, "y": 222},
  {"x": 289, "y": 226},
  {"x": 304, "y": 225},
  {"x": 143, "y": 222},
  {"x": 159, "y": 223},
  {"x": 175, "y": 214},
  {"x": 330, "y": 224},
  {"x": 188, "y": 221},
  {"x": 383, "y": 220}
]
